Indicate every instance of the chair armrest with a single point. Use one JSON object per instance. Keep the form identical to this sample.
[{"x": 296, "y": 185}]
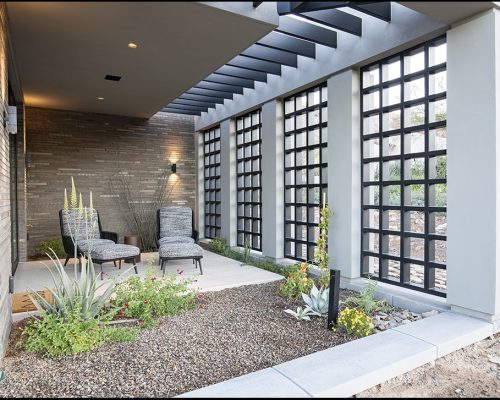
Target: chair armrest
[
  {"x": 110, "y": 236},
  {"x": 195, "y": 236},
  {"x": 68, "y": 245}
]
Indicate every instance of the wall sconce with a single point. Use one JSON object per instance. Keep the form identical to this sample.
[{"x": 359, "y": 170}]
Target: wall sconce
[{"x": 174, "y": 168}]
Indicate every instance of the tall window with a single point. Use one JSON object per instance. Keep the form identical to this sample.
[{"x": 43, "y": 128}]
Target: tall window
[
  {"x": 305, "y": 170},
  {"x": 404, "y": 168},
  {"x": 248, "y": 155},
  {"x": 212, "y": 182}
]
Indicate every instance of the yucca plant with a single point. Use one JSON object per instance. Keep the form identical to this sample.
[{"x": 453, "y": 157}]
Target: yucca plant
[
  {"x": 300, "y": 314},
  {"x": 72, "y": 293}
]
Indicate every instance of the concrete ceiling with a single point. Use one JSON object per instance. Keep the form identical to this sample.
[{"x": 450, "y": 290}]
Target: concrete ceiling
[
  {"x": 449, "y": 12},
  {"x": 64, "y": 50}
]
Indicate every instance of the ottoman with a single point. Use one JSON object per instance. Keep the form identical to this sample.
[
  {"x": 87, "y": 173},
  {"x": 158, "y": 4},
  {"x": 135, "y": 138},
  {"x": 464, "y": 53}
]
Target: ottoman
[
  {"x": 113, "y": 252},
  {"x": 177, "y": 251}
]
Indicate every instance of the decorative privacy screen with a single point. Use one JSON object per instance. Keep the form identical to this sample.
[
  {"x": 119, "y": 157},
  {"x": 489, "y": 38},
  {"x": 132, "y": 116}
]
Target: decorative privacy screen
[
  {"x": 212, "y": 182},
  {"x": 249, "y": 187},
  {"x": 305, "y": 169},
  {"x": 404, "y": 168}
]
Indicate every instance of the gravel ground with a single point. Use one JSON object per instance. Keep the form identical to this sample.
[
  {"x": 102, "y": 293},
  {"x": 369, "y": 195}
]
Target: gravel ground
[
  {"x": 233, "y": 332},
  {"x": 471, "y": 372}
]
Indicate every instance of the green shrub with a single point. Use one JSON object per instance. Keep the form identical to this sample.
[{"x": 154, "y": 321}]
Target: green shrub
[
  {"x": 366, "y": 300},
  {"x": 55, "y": 336},
  {"x": 296, "y": 283},
  {"x": 145, "y": 299},
  {"x": 55, "y": 243},
  {"x": 354, "y": 322},
  {"x": 218, "y": 245}
]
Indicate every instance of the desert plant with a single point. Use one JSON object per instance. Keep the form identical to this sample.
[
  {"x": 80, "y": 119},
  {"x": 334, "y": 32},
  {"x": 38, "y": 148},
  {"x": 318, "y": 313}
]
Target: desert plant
[
  {"x": 296, "y": 283},
  {"x": 321, "y": 258},
  {"x": 218, "y": 245},
  {"x": 366, "y": 299},
  {"x": 300, "y": 314},
  {"x": 54, "y": 243},
  {"x": 354, "y": 322},
  {"x": 79, "y": 293},
  {"x": 56, "y": 336},
  {"x": 246, "y": 251},
  {"x": 138, "y": 207},
  {"x": 317, "y": 300},
  {"x": 145, "y": 299}
]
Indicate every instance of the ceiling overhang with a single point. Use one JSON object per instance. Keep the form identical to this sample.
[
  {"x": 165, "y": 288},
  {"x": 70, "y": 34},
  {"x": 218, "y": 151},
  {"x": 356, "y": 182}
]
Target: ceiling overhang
[{"x": 63, "y": 50}]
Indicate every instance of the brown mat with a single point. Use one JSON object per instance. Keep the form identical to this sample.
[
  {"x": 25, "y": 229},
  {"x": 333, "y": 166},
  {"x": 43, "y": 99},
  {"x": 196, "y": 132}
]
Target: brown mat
[{"x": 22, "y": 303}]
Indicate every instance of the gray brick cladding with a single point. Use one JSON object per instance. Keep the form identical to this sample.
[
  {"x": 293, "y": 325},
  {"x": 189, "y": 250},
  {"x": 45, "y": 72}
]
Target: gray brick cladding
[{"x": 95, "y": 147}]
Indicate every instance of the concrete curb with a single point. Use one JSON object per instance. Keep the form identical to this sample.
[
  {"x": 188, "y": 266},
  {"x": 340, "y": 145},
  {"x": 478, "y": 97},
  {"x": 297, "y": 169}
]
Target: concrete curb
[{"x": 353, "y": 367}]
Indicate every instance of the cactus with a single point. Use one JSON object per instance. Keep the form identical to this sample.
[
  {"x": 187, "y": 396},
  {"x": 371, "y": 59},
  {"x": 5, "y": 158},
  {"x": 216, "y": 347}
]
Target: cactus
[{"x": 317, "y": 301}]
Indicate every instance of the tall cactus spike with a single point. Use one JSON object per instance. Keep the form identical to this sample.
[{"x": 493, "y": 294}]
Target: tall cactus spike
[
  {"x": 80, "y": 206},
  {"x": 74, "y": 199},
  {"x": 66, "y": 205}
]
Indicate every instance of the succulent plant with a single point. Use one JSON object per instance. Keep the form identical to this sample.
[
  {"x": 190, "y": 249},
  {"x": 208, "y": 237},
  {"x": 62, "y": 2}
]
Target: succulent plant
[
  {"x": 317, "y": 301},
  {"x": 300, "y": 314}
]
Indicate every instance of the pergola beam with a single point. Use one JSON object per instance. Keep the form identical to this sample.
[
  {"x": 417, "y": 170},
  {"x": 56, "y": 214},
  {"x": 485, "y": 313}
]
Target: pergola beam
[
  {"x": 197, "y": 97},
  {"x": 230, "y": 80},
  {"x": 220, "y": 87},
  {"x": 242, "y": 73},
  {"x": 307, "y": 31},
  {"x": 211, "y": 93},
  {"x": 255, "y": 65},
  {"x": 291, "y": 44},
  {"x": 176, "y": 111},
  {"x": 272, "y": 55},
  {"x": 336, "y": 19}
]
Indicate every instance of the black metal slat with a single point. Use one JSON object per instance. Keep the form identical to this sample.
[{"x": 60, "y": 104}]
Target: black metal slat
[
  {"x": 272, "y": 55},
  {"x": 255, "y": 65},
  {"x": 336, "y": 19},
  {"x": 242, "y": 73},
  {"x": 304, "y": 30},
  {"x": 197, "y": 97},
  {"x": 288, "y": 43},
  {"x": 230, "y": 80},
  {"x": 177, "y": 111},
  {"x": 188, "y": 108},
  {"x": 211, "y": 93},
  {"x": 193, "y": 102},
  {"x": 380, "y": 10},
  {"x": 219, "y": 87}
]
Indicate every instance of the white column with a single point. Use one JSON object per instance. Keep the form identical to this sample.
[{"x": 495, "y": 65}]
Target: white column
[
  {"x": 273, "y": 191},
  {"x": 228, "y": 181},
  {"x": 200, "y": 184},
  {"x": 473, "y": 167},
  {"x": 344, "y": 173}
]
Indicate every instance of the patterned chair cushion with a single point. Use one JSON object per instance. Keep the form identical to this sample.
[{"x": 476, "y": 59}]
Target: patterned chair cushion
[
  {"x": 176, "y": 221},
  {"x": 81, "y": 228},
  {"x": 85, "y": 245},
  {"x": 175, "y": 239},
  {"x": 114, "y": 251},
  {"x": 187, "y": 250}
]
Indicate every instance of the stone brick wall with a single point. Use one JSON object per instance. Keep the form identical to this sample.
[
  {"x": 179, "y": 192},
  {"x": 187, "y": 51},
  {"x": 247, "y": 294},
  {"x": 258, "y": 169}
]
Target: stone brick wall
[
  {"x": 94, "y": 149},
  {"x": 5, "y": 249}
]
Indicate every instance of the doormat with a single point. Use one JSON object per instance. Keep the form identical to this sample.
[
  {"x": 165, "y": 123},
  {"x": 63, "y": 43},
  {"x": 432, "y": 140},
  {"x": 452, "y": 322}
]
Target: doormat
[{"x": 22, "y": 303}]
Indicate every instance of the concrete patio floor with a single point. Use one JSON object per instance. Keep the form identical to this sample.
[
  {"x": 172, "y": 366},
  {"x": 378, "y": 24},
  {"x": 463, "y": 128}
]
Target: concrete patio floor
[{"x": 218, "y": 272}]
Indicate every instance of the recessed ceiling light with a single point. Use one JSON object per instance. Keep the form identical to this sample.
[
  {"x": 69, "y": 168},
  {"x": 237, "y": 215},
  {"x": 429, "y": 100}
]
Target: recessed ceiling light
[
  {"x": 100, "y": 98},
  {"x": 132, "y": 46}
]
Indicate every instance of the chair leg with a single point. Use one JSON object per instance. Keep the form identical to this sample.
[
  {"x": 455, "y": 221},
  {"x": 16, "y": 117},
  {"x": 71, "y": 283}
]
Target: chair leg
[
  {"x": 135, "y": 266},
  {"x": 199, "y": 262},
  {"x": 102, "y": 274},
  {"x": 120, "y": 264},
  {"x": 67, "y": 259},
  {"x": 114, "y": 262},
  {"x": 164, "y": 261},
  {"x": 195, "y": 262}
]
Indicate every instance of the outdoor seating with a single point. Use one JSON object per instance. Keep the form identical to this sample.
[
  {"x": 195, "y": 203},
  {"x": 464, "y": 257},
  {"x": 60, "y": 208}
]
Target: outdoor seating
[
  {"x": 178, "y": 251},
  {"x": 175, "y": 224},
  {"x": 91, "y": 241}
]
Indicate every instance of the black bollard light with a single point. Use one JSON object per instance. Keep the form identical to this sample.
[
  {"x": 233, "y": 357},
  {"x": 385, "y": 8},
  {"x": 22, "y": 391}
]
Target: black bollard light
[{"x": 333, "y": 300}]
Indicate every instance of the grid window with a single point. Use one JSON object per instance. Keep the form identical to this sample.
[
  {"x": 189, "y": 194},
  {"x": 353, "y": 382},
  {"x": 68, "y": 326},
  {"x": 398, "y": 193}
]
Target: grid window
[
  {"x": 404, "y": 141},
  {"x": 305, "y": 170},
  {"x": 211, "y": 153},
  {"x": 248, "y": 176}
]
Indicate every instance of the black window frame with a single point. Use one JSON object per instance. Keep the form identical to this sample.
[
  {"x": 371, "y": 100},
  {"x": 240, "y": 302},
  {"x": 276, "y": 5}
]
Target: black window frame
[
  {"x": 212, "y": 182},
  {"x": 246, "y": 179},
  {"x": 291, "y": 207},
  {"x": 430, "y": 160}
]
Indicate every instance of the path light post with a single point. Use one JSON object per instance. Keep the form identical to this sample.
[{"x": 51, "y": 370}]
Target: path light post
[{"x": 333, "y": 300}]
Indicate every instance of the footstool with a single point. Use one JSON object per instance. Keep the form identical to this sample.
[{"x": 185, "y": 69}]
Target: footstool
[
  {"x": 114, "y": 252},
  {"x": 178, "y": 251}
]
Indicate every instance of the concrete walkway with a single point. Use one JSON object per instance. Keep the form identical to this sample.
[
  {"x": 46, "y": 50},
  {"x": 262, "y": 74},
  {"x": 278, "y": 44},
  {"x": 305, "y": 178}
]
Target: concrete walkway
[
  {"x": 353, "y": 367},
  {"x": 218, "y": 272}
]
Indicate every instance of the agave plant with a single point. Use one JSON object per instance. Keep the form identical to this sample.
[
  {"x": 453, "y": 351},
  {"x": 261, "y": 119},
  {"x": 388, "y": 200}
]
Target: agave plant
[
  {"x": 300, "y": 314},
  {"x": 70, "y": 293},
  {"x": 317, "y": 301}
]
